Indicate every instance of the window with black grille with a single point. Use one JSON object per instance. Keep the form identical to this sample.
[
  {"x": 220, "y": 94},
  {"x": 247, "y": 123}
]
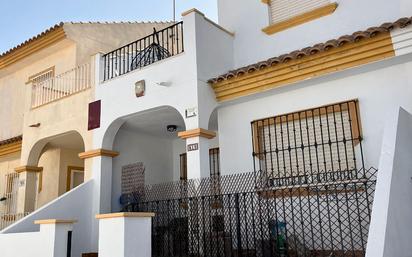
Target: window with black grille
[
  {"x": 183, "y": 167},
  {"x": 309, "y": 146},
  {"x": 214, "y": 162}
]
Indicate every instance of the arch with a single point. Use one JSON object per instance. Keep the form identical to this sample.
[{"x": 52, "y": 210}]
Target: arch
[
  {"x": 70, "y": 137},
  {"x": 113, "y": 128},
  {"x": 213, "y": 123}
]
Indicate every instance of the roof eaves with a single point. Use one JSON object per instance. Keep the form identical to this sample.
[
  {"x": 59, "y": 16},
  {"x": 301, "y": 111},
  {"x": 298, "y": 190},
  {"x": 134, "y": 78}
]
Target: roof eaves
[
  {"x": 11, "y": 140},
  {"x": 34, "y": 44},
  {"x": 318, "y": 48}
]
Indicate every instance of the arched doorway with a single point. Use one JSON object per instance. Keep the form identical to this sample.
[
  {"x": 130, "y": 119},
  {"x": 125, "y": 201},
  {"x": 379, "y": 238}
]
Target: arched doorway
[
  {"x": 62, "y": 169},
  {"x": 149, "y": 151}
]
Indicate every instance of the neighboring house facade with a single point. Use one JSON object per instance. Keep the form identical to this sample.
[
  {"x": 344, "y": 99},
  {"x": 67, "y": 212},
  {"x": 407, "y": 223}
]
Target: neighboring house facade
[
  {"x": 46, "y": 84},
  {"x": 263, "y": 136}
]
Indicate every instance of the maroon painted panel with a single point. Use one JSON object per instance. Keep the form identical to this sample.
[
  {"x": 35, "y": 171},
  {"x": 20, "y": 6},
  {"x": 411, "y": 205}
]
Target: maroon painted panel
[{"x": 94, "y": 115}]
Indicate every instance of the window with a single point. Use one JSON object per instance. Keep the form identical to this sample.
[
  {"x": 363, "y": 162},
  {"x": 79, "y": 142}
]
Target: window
[
  {"x": 309, "y": 146},
  {"x": 183, "y": 167},
  {"x": 214, "y": 162},
  {"x": 11, "y": 188},
  {"x": 75, "y": 177},
  {"x": 42, "y": 76},
  {"x": 288, "y": 13}
]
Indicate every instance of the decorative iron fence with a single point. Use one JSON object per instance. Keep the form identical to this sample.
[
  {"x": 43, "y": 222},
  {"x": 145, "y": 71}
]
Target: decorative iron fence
[
  {"x": 244, "y": 219},
  {"x": 160, "y": 45},
  {"x": 62, "y": 85}
]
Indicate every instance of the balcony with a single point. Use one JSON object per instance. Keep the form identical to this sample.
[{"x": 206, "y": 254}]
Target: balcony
[
  {"x": 160, "y": 45},
  {"x": 63, "y": 85}
]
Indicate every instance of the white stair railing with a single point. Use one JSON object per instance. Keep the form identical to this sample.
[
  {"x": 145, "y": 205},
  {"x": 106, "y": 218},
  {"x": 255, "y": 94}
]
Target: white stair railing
[{"x": 62, "y": 85}]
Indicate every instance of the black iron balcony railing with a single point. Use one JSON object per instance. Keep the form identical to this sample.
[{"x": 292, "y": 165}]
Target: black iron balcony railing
[{"x": 160, "y": 45}]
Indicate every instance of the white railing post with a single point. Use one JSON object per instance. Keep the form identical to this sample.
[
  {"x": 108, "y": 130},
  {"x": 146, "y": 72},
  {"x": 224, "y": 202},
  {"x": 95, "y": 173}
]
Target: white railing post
[
  {"x": 62, "y": 85},
  {"x": 126, "y": 234}
]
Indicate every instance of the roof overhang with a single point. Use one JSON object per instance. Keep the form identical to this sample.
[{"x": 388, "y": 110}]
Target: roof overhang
[
  {"x": 11, "y": 145},
  {"x": 33, "y": 45},
  {"x": 348, "y": 51}
]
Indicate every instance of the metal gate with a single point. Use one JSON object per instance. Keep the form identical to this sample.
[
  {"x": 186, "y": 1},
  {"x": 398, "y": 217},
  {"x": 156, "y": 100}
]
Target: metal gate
[{"x": 241, "y": 219}]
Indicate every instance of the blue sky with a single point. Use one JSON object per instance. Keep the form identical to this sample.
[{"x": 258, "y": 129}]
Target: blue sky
[{"x": 22, "y": 19}]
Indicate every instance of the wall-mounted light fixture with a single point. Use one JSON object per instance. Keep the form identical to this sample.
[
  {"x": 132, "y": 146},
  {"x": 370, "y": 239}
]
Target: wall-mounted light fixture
[
  {"x": 171, "y": 128},
  {"x": 140, "y": 88},
  {"x": 34, "y": 125}
]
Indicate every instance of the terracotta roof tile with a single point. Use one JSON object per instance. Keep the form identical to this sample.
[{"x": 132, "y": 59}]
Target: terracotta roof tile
[
  {"x": 28, "y": 41},
  {"x": 59, "y": 25},
  {"x": 321, "y": 47},
  {"x": 11, "y": 140}
]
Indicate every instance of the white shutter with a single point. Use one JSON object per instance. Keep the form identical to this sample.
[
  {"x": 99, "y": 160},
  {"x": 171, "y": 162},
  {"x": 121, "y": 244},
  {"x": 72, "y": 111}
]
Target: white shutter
[{"x": 285, "y": 9}]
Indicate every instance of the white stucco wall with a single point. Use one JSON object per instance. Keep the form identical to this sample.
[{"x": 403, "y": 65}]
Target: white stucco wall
[
  {"x": 160, "y": 156},
  {"x": 13, "y": 87},
  {"x": 392, "y": 214},
  {"x": 50, "y": 241},
  {"x": 248, "y": 18},
  {"x": 74, "y": 205},
  {"x": 376, "y": 86}
]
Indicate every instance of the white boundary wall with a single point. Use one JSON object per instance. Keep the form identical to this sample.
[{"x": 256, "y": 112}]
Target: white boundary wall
[
  {"x": 390, "y": 230},
  {"x": 125, "y": 235},
  {"x": 50, "y": 241},
  {"x": 73, "y": 205}
]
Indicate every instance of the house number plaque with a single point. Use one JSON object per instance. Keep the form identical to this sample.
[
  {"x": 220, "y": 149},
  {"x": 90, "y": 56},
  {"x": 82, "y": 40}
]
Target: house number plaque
[{"x": 192, "y": 147}]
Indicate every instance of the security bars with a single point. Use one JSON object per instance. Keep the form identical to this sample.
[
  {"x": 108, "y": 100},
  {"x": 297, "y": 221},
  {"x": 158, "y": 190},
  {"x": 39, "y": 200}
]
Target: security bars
[
  {"x": 160, "y": 45},
  {"x": 8, "y": 203},
  {"x": 319, "y": 145}
]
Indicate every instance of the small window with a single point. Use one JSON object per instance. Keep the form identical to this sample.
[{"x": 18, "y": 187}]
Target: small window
[
  {"x": 42, "y": 76},
  {"x": 214, "y": 162},
  {"x": 183, "y": 167},
  {"x": 289, "y": 13}
]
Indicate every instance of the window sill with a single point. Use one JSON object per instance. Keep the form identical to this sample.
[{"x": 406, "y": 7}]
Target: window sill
[
  {"x": 300, "y": 19},
  {"x": 315, "y": 189}
]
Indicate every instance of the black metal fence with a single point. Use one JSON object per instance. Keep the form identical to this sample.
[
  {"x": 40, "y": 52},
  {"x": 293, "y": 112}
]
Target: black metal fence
[
  {"x": 242, "y": 218},
  {"x": 160, "y": 45}
]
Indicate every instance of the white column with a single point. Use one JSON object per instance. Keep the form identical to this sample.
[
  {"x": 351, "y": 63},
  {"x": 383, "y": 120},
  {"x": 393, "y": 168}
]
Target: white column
[
  {"x": 27, "y": 191},
  {"x": 197, "y": 160},
  {"x": 197, "y": 148},
  {"x": 99, "y": 169},
  {"x": 125, "y": 234}
]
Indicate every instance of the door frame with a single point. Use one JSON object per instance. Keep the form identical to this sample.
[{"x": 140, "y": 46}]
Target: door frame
[{"x": 69, "y": 175}]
